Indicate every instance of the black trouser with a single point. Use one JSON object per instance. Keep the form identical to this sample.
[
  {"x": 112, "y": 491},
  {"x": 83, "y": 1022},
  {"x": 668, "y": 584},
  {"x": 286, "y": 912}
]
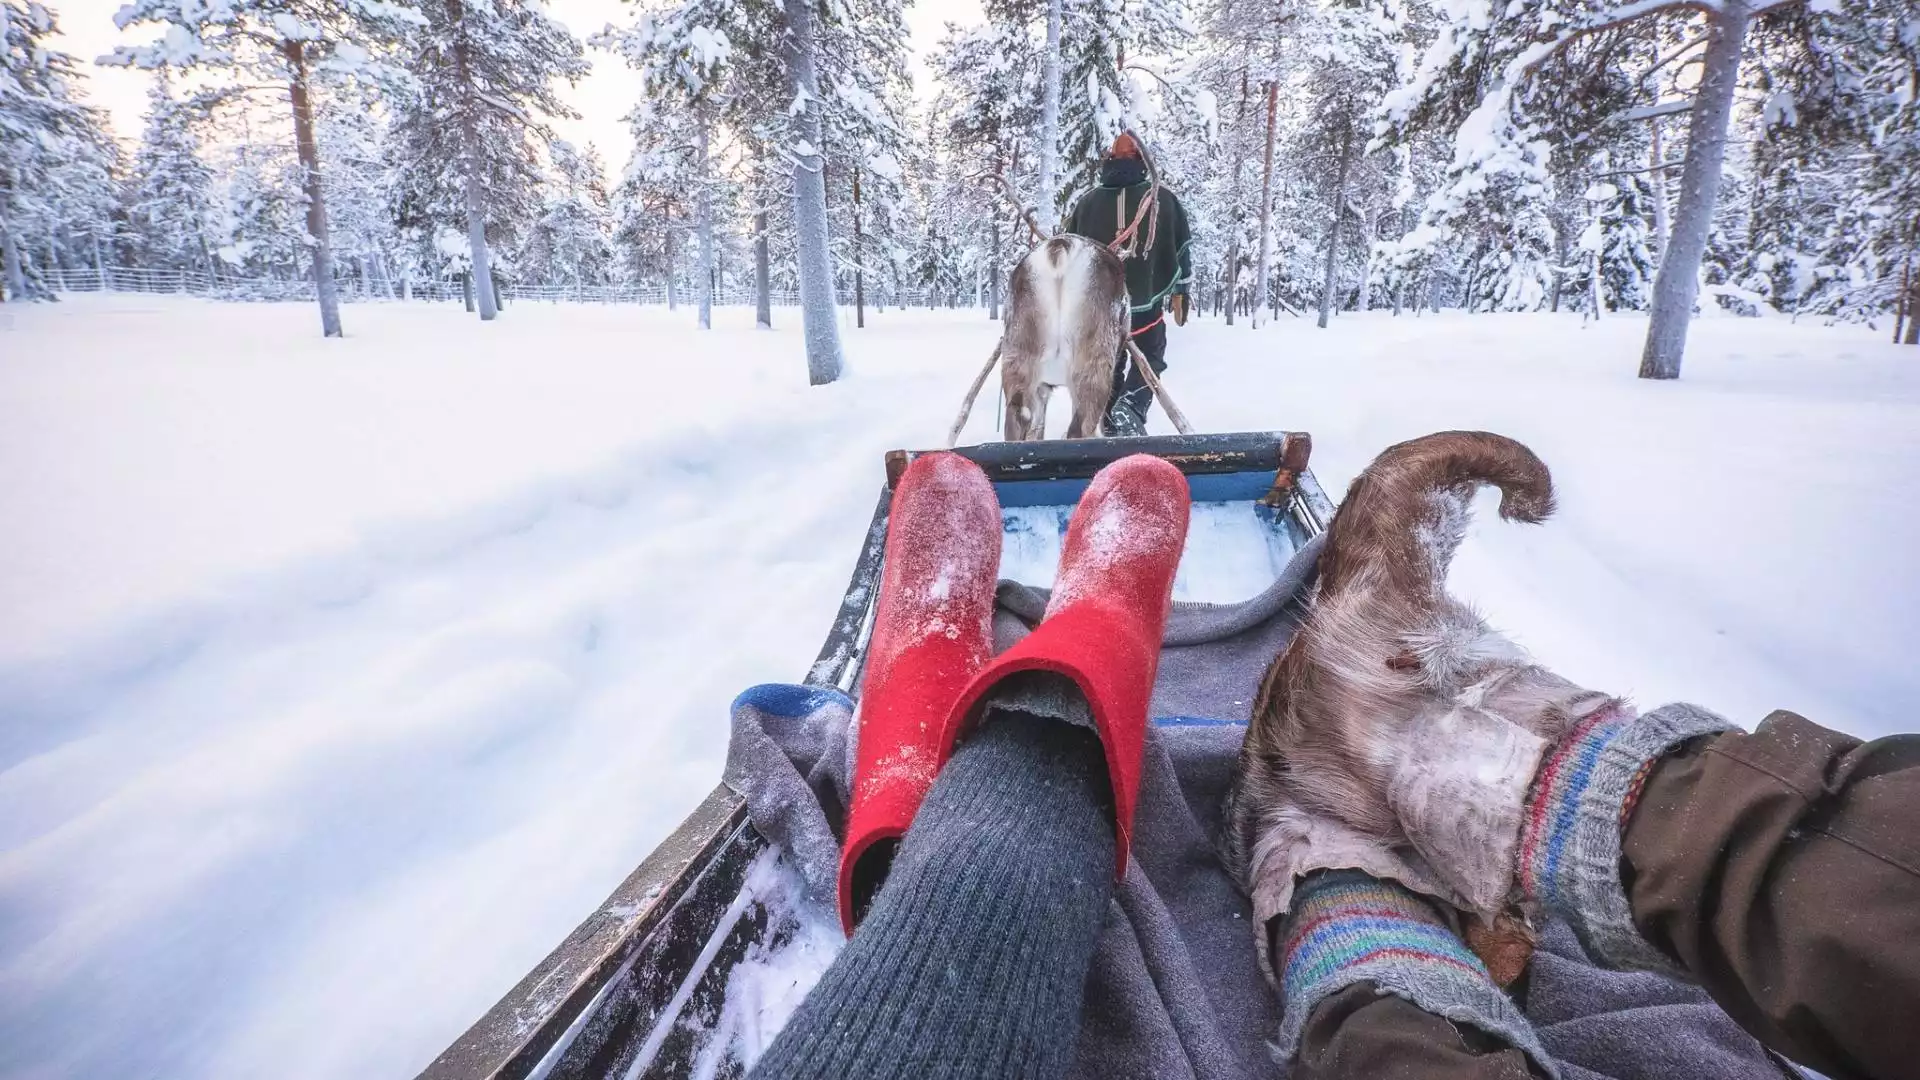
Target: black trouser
[
  {"x": 1132, "y": 397},
  {"x": 972, "y": 963}
]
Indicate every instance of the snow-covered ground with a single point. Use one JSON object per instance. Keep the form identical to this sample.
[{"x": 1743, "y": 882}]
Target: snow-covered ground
[{"x": 338, "y": 680}]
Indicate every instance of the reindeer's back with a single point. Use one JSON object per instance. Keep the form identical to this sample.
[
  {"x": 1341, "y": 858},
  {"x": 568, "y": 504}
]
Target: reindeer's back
[{"x": 1064, "y": 300}]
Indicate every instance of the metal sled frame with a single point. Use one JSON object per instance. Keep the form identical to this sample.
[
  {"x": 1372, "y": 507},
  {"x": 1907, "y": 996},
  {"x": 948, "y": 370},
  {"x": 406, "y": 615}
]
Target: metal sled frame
[{"x": 634, "y": 989}]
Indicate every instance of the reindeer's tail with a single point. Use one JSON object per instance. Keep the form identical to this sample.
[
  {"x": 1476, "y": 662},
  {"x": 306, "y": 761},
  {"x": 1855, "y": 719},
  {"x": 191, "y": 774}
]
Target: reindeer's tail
[{"x": 1407, "y": 512}]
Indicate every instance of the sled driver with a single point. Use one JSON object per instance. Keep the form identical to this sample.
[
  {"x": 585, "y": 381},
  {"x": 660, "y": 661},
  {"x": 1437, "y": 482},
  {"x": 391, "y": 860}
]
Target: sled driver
[
  {"x": 1154, "y": 242},
  {"x": 994, "y": 797}
]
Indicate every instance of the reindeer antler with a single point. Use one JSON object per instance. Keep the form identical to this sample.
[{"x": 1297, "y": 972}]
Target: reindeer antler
[{"x": 1013, "y": 194}]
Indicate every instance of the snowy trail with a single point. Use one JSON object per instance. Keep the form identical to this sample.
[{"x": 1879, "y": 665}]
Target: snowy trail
[
  {"x": 480, "y": 711},
  {"x": 339, "y": 680},
  {"x": 373, "y": 793}
]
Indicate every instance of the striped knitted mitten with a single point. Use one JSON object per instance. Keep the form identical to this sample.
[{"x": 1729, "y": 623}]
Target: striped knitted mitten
[{"x": 1346, "y": 927}]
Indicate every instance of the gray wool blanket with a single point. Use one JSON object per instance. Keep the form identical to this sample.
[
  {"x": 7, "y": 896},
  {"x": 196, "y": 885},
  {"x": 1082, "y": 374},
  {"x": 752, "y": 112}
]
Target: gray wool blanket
[{"x": 1175, "y": 990}]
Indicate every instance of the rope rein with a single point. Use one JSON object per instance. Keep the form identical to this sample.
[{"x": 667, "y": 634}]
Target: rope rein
[{"x": 1149, "y": 210}]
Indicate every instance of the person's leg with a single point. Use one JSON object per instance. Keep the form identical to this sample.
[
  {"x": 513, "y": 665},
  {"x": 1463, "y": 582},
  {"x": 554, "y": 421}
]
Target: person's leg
[
  {"x": 972, "y": 961},
  {"x": 1118, "y": 420},
  {"x": 1374, "y": 984},
  {"x": 1153, "y": 344},
  {"x": 1132, "y": 397}
]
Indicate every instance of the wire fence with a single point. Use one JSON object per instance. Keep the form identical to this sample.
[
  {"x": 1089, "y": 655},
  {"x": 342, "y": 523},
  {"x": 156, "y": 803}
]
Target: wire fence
[{"x": 133, "y": 279}]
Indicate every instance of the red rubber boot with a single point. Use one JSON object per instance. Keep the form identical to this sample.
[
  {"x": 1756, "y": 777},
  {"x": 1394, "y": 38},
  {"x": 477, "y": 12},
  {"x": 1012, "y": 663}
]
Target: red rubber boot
[
  {"x": 932, "y": 633},
  {"x": 1104, "y": 623}
]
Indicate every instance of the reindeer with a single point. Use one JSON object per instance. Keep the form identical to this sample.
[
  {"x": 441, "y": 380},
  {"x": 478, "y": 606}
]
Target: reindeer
[{"x": 1065, "y": 322}]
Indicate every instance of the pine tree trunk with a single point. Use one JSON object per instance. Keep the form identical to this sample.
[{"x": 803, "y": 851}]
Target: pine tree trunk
[
  {"x": 705, "y": 209},
  {"x": 1050, "y": 125},
  {"x": 1594, "y": 285},
  {"x": 1266, "y": 210},
  {"x": 1239, "y": 169},
  {"x": 309, "y": 154},
  {"x": 673, "y": 294},
  {"x": 1333, "y": 227},
  {"x": 859, "y": 257},
  {"x": 475, "y": 187},
  {"x": 817, "y": 312},
  {"x": 1658, "y": 178},
  {"x": 762, "y": 278},
  {"x": 477, "y": 245},
  {"x": 1678, "y": 284},
  {"x": 15, "y": 275},
  {"x": 1913, "y": 311}
]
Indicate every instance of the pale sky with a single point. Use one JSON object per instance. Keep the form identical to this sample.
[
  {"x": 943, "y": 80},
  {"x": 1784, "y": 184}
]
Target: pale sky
[{"x": 601, "y": 98}]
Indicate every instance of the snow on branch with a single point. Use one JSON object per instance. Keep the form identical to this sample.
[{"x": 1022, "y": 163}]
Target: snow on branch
[{"x": 504, "y": 106}]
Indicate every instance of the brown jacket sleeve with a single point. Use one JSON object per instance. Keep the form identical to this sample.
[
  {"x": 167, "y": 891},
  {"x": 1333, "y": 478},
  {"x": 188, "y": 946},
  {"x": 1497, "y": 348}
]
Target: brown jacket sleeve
[
  {"x": 1361, "y": 1032},
  {"x": 1782, "y": 870}
]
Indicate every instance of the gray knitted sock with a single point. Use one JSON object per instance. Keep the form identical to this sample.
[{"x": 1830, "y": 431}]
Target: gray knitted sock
[{"x": 972, "y": 962}]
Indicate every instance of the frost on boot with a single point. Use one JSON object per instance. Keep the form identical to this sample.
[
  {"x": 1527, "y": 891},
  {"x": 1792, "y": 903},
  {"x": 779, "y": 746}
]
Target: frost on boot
[
  {"x": 1104, "y": 623},
  {"x": 932, "y": 632}
]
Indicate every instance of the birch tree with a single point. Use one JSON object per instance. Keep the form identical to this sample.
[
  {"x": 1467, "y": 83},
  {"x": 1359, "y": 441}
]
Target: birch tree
[{"x": 286, "y": 42}]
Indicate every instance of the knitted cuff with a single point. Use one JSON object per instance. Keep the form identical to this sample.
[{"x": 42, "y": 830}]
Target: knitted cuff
[
  {"x": 1346, "y": 927},
  {"x": 1577, "y": 812}
]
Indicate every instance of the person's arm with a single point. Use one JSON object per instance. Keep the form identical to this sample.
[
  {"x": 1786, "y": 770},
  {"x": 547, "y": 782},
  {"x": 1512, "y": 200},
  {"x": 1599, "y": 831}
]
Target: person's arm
[{"x": 1782, "y": 870}]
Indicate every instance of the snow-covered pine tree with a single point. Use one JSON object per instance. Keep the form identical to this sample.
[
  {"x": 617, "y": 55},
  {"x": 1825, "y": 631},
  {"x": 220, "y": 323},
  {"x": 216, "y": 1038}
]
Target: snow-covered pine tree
[
  {"x": 1240, "y": 43},
  {"x": 867, "y": 96},
  {"x": 291, "y": 43},
  {"x": 1616, "y": 263},
  {"x": 1249, "y": 45},
  {"x": 1102, "y": 47},
  {"x": 84, "y": 195},
  {"x": 650, "y": 204},
  {"x": 169, "y": 198},
  {"x": 1505, "y": 85},
  {"x": 354, "y": 141},
  {"x": 44, "y": 129},
  {"x": 1834, "y": 223},
  {"x": 683, "y": 54},
  {"x": 1627, "y": 266},
  {"x": 985, "y": 128},
  {"x": 1353, "y": 51},
  {"x": 259, "y": 214},
  {"x": 570, "y": 243},
  {"x": 487, "y": 73}
]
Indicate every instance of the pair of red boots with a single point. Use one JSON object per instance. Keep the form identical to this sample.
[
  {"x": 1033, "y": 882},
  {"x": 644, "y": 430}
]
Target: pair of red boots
[{"x": 930, "y": 665}]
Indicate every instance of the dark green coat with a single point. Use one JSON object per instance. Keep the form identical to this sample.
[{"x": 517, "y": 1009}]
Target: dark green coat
[{"x": 1152, "y": 275}]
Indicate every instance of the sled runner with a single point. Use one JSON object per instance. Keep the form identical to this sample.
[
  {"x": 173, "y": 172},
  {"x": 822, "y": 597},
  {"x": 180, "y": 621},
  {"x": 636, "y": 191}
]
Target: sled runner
[{"x": 635, "y": 990}]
